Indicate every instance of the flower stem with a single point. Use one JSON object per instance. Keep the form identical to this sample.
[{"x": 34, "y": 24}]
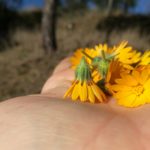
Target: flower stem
[
  {"x": 103, "y": 55},
  {"x": 87, "y": 55}
]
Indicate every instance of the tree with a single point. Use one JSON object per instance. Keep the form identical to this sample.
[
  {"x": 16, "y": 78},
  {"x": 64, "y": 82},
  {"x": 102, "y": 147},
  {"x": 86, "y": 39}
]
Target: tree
[
  {"x": 49, "y": 25},
  {"x": 109, "y": 7}
]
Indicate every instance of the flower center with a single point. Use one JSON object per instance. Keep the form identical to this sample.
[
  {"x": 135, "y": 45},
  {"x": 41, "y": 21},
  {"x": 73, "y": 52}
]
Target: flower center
[{"x": 139, "y": 89}]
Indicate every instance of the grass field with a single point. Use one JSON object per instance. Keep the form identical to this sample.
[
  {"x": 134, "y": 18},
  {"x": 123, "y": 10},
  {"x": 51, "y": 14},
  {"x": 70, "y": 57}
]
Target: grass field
[{"x": 24, "y": 67}]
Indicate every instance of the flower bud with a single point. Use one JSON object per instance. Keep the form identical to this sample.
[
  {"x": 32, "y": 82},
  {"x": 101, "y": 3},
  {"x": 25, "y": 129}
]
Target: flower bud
[
  {"x": 83, "y": 71},
  {"x": 103, "y": 66}
]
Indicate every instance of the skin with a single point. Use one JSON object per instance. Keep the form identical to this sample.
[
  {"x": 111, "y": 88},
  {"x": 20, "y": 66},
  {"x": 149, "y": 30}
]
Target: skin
[{"x": 46, "y": 121}]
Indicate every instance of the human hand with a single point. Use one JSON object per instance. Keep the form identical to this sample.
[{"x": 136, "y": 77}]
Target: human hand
[{"x": 46, "y": 121}]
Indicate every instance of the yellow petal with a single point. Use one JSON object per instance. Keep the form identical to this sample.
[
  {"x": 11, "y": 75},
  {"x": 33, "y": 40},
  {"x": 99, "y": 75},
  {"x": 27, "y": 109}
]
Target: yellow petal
[
  {"x": 75, "y": 93},
  {"x": 91, "y": 96},
  {"x": 140, "y": 100},
  {"x": 144, "y": 76},
  {"x": 147, "y": 97},
  {"x": 83, "y": 91},
  {"x": 136, "y": 75},
  {"x": 69, "y": 91},
  {"x": 98, "y": 93}
]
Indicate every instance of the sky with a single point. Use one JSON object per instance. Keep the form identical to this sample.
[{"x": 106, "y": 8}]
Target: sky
[
  {"x": 142, "y": 5},
  {"x": 32, "y": 3}
]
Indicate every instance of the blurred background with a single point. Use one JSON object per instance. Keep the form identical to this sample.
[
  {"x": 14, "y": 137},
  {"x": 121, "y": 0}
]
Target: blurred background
[{"x": 36, "y": 34}]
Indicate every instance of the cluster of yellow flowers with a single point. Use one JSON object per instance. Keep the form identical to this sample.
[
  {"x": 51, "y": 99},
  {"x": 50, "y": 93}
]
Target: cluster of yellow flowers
[{"x": 118, "y": 71}]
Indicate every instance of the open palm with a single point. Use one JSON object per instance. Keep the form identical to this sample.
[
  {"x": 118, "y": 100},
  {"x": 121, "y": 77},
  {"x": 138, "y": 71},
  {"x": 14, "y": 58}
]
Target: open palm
[{"x": 46, "y": 121}]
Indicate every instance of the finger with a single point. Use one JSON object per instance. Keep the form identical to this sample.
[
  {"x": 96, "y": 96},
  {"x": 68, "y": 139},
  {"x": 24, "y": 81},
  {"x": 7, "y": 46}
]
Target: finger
[
  {"x": 61, "y": 79},
  {"x": 43, "y": 122},
  {"x": 63, "y": 65}
]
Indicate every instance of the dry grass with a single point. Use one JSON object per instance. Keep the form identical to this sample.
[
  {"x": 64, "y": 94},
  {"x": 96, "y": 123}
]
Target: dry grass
[{"x": 24, "y": 67}]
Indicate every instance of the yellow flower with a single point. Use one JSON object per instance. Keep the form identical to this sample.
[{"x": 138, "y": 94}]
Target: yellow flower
[
  {"x": 126, "y": 55},
  {"x": 133, "y": 89},
  {"x": 145, "y": 58},
  {"x": 123, "y": 53},
  {"x": 83, "y": 87},
  {"x": 78, "y": 54}
]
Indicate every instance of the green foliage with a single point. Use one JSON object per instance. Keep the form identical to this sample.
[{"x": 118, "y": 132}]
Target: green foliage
[
  {"x": 73, "y": 5},
  {"x": 100, "y": 3},
  {"x": 131, "y": 3}
]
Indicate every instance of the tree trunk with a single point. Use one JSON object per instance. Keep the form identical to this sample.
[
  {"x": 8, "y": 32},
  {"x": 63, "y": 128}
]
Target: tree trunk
[
  {"x": 49, "y": 26},
  {"x": 109, "y": 7}
]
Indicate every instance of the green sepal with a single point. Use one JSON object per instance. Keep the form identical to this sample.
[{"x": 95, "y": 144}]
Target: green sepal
[
  {"x": 83, "y": 71},
  {"x": 103, "y": 67},
  {"x": 96, "y": 61},
  {"x": 102, "y": 63}
]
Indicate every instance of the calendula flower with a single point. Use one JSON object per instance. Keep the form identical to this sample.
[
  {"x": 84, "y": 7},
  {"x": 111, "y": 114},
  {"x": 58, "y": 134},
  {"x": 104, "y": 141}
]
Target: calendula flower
[
  {"x": 101, "y": 66},
  {"x": 133, "y": 89},
  {"x": 119, "y": 70},
  {"x": 83, "y": 88},
  {"x": 127, "y": 56},
  {"x": 92, "y": 57}
]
